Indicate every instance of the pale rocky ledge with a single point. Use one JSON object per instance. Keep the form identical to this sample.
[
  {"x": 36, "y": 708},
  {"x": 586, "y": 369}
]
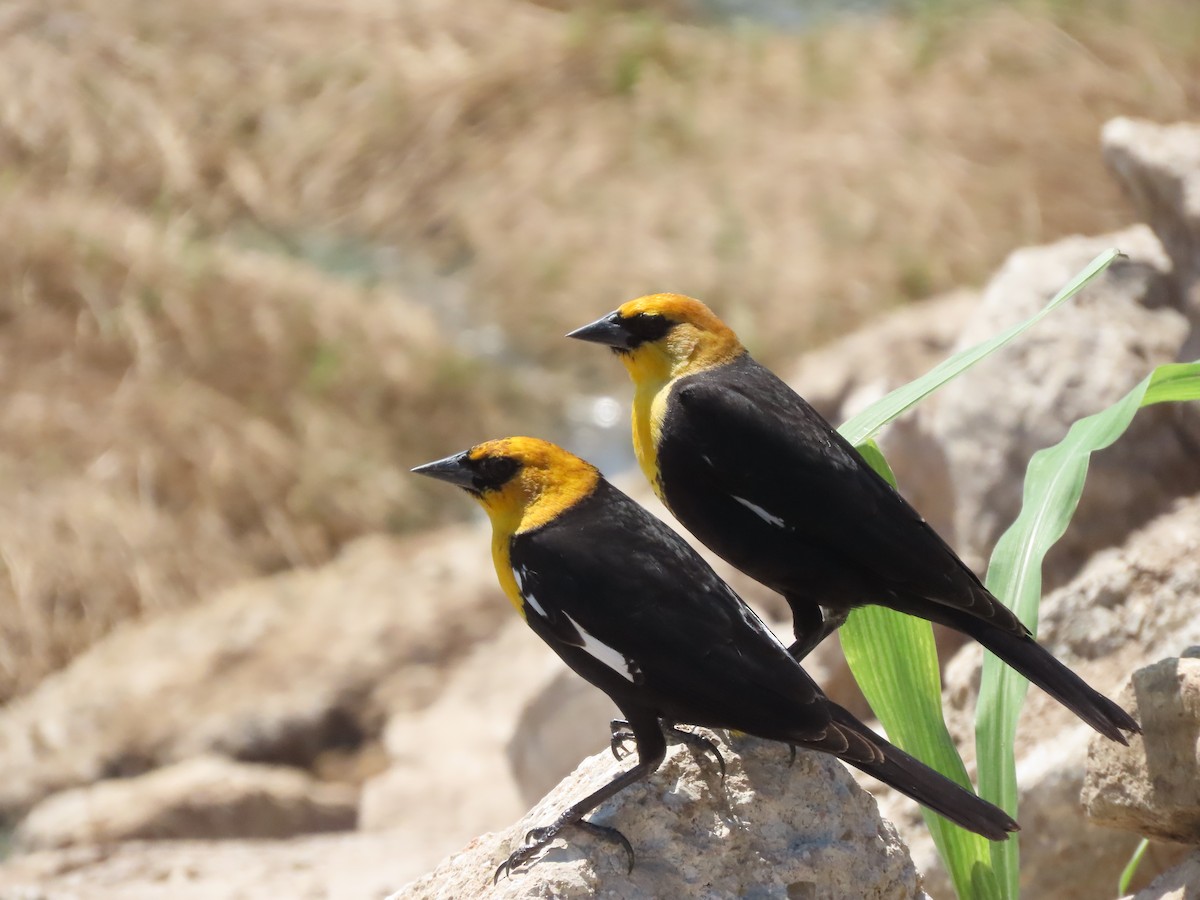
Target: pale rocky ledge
[{"x": 770, "y": 830}]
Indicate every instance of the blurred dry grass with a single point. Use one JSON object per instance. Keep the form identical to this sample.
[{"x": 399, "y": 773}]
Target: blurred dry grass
[
  {"x": 257, "y": 258},
  {"x": 178, "y": 415}
]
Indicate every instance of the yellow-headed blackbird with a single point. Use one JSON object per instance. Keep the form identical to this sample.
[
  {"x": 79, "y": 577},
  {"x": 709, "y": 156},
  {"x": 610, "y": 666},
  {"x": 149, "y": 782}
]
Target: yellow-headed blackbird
[
  {"x": 628, "y": 605},
  {"x": 761, "y": 478}
]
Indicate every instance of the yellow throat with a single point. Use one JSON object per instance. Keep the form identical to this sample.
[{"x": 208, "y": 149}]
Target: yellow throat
[
  {"x": 654, "y": 368},
  {"x": 549, "y": 482}
]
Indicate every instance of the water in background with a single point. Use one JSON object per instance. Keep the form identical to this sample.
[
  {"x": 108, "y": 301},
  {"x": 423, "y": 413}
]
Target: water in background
[{"x": 791, "y": 15}]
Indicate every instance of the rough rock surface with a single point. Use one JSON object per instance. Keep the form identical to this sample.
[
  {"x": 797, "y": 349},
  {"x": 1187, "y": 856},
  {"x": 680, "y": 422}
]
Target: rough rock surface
[
  {"x": 1128, "y": 607},
  {"x": 767, "y": 831},
  {"x": 1152, "y": 787},
  {"x": 1180, "y": 883},
  {"x": 1159, "y": 167},
  {"x": 281, "y": 669},
  {"x": 1079, "y": 361},
  {"x": 204, "y": 797},
  {"x": 511, "y": 723}
]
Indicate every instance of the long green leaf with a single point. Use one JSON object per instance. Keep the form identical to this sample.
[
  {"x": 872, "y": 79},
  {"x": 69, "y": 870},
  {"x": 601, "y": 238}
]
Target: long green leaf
[
  {"x": 1131, "y": 867},
  {"x": 893, "y": 657},
  {"x": 895, "y": 662},
  {"x": 867, "y": 423},
  {"x": 1053, "y": 484}
]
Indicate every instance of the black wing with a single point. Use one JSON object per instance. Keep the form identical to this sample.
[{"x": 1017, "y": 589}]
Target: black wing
[
  {"x": 607, "y": 577},
  {"x": 748, "y": 435}
]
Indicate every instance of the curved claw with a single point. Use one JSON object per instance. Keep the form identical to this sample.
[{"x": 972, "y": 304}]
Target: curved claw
[
  {"x": 792, "y": 755},
  {"x": 515, "y": 860},
  {"x": 617, "y": 744},
  {"x": 621, "y": 733},
  {"x": 540, "y": 835},
  {"x": 505, "y": 869},
  {"x": 608, "y": 833},
  {"x": 536, "y": 839},
  {"x": 703, "y": 744}
]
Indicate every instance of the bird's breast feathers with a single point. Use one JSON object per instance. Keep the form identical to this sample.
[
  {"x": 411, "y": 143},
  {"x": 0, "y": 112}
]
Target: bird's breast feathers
[
  {"x": 649, "y": 410},
  {"x": 502, "y": 558}
]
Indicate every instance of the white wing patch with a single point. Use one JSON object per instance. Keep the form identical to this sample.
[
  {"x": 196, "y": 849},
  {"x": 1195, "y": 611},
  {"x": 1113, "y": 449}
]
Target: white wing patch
[
  {"x": 604, "y": 653},
  {"x": 532, "y": 601},
  {"x": 529, "y": 598},
  {"x": 761, "y": 513}
]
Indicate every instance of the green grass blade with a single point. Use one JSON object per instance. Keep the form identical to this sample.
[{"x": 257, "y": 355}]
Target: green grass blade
[
  {"x": 893, "y": 657},
  {"x": 867, "y": 423},
  {"x": 1131, "y": 867},
  {"x": 1053, "y": 484},
  {"x": 895, "y": 662}
]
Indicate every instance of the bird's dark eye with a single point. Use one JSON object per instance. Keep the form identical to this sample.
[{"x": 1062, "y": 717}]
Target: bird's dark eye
[
  {"x": 646, "y": 328},
  {"x": 493, "y": 472}
]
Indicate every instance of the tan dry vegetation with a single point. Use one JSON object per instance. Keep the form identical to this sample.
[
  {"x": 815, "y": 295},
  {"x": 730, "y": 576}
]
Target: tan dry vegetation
[
  {"x": 178, "y": 415},
  {"x": 567, "y": 160},
  {"x": 254, "y": 254}
]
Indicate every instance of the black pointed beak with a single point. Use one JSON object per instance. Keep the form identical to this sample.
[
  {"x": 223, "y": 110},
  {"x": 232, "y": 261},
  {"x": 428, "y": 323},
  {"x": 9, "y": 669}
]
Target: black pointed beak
[
  {"x": 608, "y": 331},
  {"x": 452, "y": 469}
]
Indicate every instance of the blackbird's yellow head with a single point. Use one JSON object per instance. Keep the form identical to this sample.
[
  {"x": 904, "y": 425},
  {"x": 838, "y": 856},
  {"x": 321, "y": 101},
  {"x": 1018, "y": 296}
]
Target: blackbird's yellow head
[
  {"x": 664, "y": 336},
  {"x": 521, "y": 482}
]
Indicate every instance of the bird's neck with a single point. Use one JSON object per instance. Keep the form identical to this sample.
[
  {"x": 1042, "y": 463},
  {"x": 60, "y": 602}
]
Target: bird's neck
[
  {"x": 649, "y": 406},
  {"x": 654, "y": 368},
  {"x": 502, "y": 559},
  {"x": 528, "y": 502}
]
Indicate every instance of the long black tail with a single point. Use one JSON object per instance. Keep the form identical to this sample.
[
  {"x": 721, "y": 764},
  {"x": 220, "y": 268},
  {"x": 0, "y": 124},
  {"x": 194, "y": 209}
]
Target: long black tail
[
  {"x": 1037, "y": 664},
  {"x": 914, "y": 779}
]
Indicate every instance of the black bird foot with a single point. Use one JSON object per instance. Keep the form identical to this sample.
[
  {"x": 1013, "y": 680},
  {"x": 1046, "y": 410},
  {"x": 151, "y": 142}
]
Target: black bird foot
[
  {"x": 698, "y": 742},
  {"x": 801, "y": 649},
  {"x": 537, "y": 839},
  {"x": 621, "y": 734},
  {"x": 792, "y": 755},
  {"x": 812, "y": 625}
]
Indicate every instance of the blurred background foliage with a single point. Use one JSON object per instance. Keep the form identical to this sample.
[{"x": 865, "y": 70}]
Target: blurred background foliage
[{"x": 258, "y": 258}]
